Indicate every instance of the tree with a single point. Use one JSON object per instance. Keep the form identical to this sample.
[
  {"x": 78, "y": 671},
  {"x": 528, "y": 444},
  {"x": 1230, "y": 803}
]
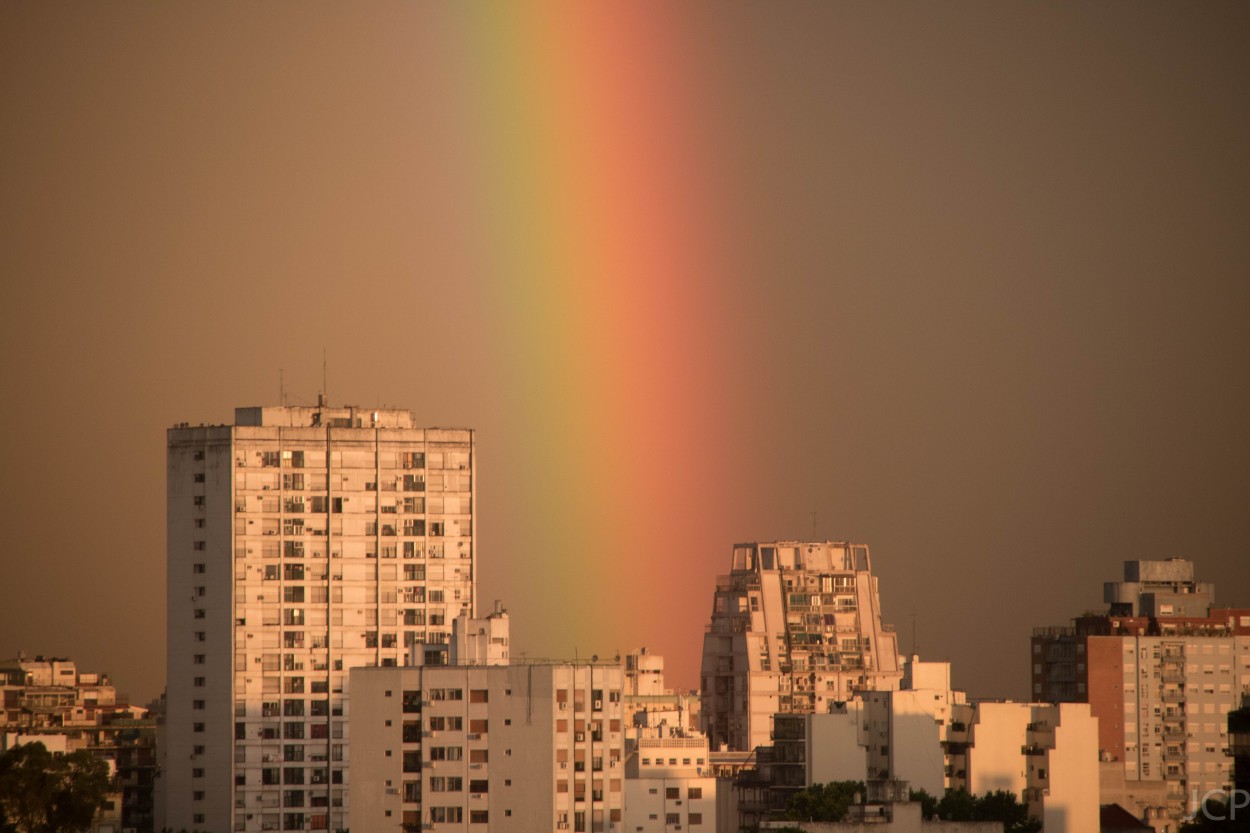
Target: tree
[
  {"x": 1216, "y": 815},
  {"x": 823, "y": 802},
  {"x": 45, "y": 793},
  {"x": 1000, "y": 805},
  {"x": 928, "y": 804}
]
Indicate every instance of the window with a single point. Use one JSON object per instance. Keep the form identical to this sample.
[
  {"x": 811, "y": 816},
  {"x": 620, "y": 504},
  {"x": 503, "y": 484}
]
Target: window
[
  {"x": 198, "y": 795},
  {"x": 199, "y": 682},
  {"x": 197, "y": 727},
  {"x": 694, "y": 792},
  {"x": 197, "y": 568},
  {"x": 197, "y": 704},
  {"x": 199, "y": 477},
  {"x": 672, "y": 793},
  {"x": 198, "y": 500},
  {"x": 198, "y": 545},
  {"x": 696, "y": 818},
  {"x": 446, "y": 815},
  {"x": 197, "y": 773}
]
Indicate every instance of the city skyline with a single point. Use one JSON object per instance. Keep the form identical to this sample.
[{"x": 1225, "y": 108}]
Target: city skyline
[{"x": 965, "y": 286}]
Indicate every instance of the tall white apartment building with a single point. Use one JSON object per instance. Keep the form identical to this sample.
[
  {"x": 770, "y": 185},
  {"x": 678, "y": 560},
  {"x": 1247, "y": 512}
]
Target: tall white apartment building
[
  {"x": 302, "y": 542},
  {"x": 795, "y": 625},
  {"x": 499, "y": 747}
]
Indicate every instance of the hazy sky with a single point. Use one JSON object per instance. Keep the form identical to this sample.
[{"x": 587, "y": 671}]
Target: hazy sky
[{"x": 968, "y": 281}]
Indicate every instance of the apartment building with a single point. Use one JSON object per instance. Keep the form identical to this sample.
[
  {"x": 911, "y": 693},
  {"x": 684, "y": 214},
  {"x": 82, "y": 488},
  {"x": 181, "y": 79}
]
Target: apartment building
[
  {"x": 669, "y": 785},
  {"x": 513, "y": 747},
  {"x": 303, "y": 542},
  {"x": 928, "y": 736},
  {"x": 648, "y": 702},
  {"x": 50, "y": 701},
  {"x": 1044, "y": 753},
  {"x": 795, "y": 626},
  {"x": 1161, "y": 670},
  {"x": 877, "y": 735}
]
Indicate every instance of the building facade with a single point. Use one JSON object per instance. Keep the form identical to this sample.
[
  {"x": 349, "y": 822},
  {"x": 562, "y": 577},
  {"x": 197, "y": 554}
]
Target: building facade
[
  {"x": 49, "y": 701},
  {"x": 516, "y": 747},
  {"x": 303, "y": 542},
  {"x": 1161, "y": 671},
  {"x": 795, "y": 626},
  {"x": 929, "y": 737},
  {"x": 669, "y": 784}
]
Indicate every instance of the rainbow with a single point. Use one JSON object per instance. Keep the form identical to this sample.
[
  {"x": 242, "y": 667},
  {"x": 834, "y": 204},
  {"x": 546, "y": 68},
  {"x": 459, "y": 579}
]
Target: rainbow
[{"x": 595, "y": 199}]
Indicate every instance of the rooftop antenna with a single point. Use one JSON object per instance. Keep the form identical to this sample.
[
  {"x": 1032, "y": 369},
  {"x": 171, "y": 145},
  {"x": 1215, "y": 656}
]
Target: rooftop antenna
[
  {"x": 281, "y": 388},
  {"x": 325, "y": 384},
  {"x": 915, "y": 649},
  {"x": 814, "y": 526}
]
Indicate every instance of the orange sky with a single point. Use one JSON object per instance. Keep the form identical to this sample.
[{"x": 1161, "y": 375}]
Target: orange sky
[{"x": 974, "y": 291}]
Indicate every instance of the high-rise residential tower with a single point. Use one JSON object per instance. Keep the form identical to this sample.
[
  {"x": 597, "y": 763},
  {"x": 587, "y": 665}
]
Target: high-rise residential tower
[
  {"x": 795, "y": 625},
  {"x": 1161, "y": 670},
  {"x": 302, "y": 542}
]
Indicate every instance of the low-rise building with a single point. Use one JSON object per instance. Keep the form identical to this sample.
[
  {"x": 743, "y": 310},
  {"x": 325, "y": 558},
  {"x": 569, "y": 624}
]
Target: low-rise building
[
  {"x": 50, "y": 701},
  {"x": 1044, "y": 753},
  {"x": 523, "y": 746},
  {"x": 934, "y": 740},
  {"x": 669, "y": 784}
]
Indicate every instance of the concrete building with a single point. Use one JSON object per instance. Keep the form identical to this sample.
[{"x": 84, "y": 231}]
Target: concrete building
[
  {"x": 1045, "y": 753},
  {"x": 1160, "y": 673},
  {"x": 669, "y": 784},
  {"x": 50, "y": 701},
  {"x": 303, "y": 542},
  {"x": 1159, "y": 588},
  {"x": 795, "y": 626},
  {"x": 932, "y": 739},
  {"x": 880, "y": 735},
  {"x": 523, "y": 747},
  {"x": 649, "y": 703}
]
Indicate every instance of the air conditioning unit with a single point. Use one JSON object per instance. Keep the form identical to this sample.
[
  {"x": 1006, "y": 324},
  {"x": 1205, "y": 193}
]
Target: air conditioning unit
[{"x": 598, "y": 705}]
